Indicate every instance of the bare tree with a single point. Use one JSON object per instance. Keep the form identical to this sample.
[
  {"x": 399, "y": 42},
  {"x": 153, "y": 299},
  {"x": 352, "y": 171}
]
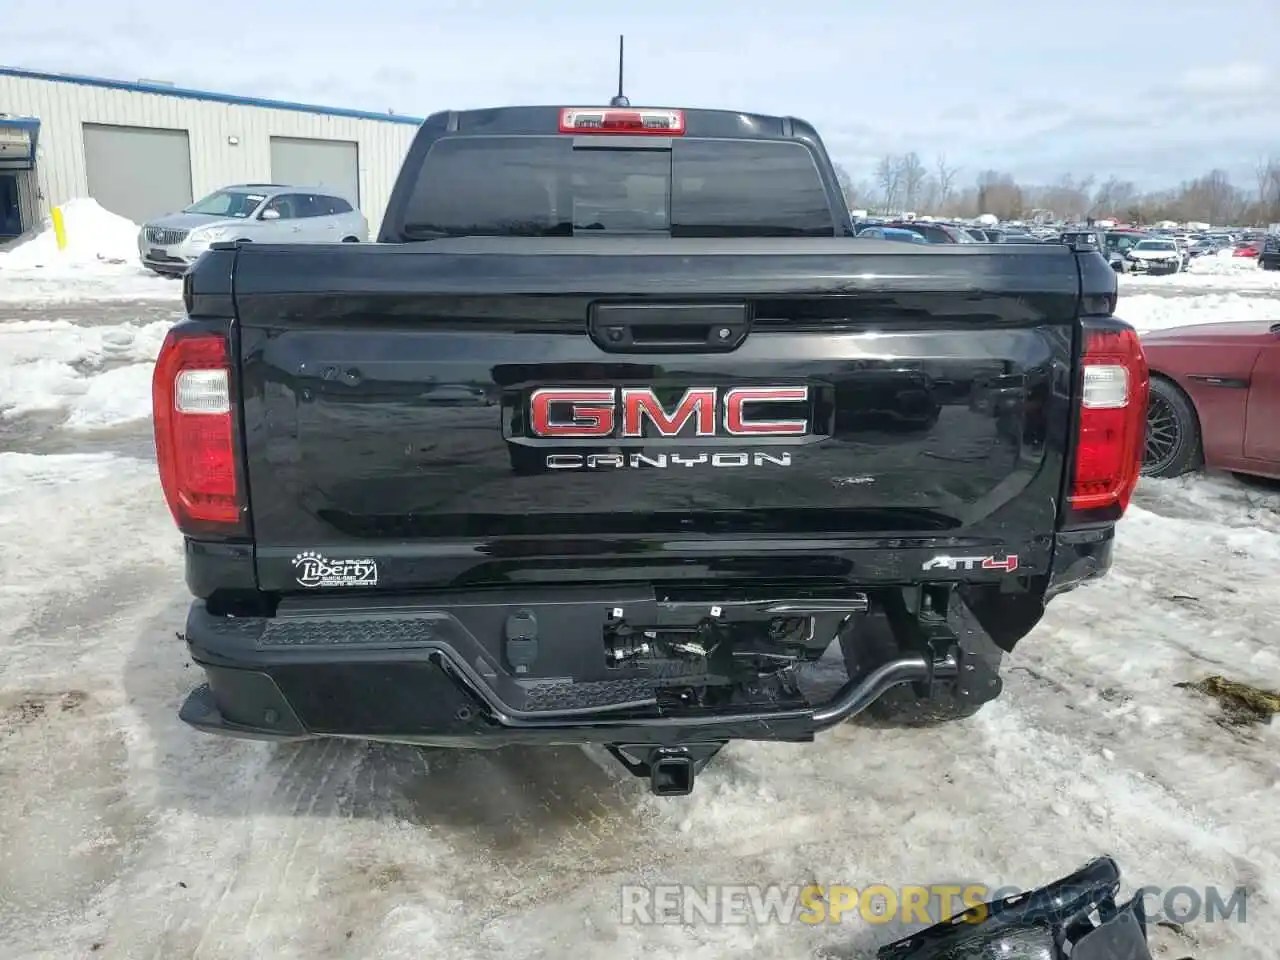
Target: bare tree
[
  {"x": 863, "y": 194},
  {"x": 929, "y": 194},
  {"x": 1124, "y": 196},
  {"x": 1268, "y": 174},
  {"x": 888, "y": 181},
  {"x": 1069, "y": 197},
  {"x": 911, "y": 174},
  {"x": 900, "y": 182},
  {"x": 1102, "y": 197},
  {"x": 1113, "y": 197},
  {"x": 846, "y": 184},
  {"x": 945, "y": 177},
  {"x": 998, "y": 194},
  {"x": 965, "y": 203},
  {"x": 1210, "y": 198}
]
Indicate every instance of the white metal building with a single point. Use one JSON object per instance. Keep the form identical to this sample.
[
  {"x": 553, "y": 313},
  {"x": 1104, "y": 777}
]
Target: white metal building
[{"x": 145, "y": 149}]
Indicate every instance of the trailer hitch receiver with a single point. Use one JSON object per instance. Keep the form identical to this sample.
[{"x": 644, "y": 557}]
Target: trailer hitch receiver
[
  {"x": 671, "y": 770},
  {"x": 672, "y": 775}
]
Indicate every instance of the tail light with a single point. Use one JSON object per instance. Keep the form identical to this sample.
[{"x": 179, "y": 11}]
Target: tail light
[
  {"x": 195, "y": 439},
  {"x": 667, "y": 123},
  {"x": 1113, "y": 415}
]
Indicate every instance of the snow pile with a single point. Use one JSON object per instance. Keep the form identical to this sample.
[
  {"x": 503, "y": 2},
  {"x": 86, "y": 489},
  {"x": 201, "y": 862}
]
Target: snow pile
[
  {"x": 121, "y": 395},
  {"x": 95, "y": 236},
  {"x": 24, "y": 341},
  {"x": 100, "y": 261},
  {"x": 1153, "y": 312},
  {"x": 99, "y": 375},
  {"x": 1222, "y": 272},
  {"x": 1222, "y": 263}
]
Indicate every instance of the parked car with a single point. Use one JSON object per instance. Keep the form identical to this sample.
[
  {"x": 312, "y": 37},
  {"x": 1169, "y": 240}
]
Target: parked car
[
  {"x": 261, "y": 212},
  {"x": 1155, "y": 255},
  {"x": 1215, "y": 399},
  {"x": 1248, "y": 248},
  {"x": 1204, "y": 248},
  {"x": 934, "y": 232},
  {"x": 1122, "y": 241},
  {"x": 1269, "y": 256},
  {"x": 891, "y": 233}
]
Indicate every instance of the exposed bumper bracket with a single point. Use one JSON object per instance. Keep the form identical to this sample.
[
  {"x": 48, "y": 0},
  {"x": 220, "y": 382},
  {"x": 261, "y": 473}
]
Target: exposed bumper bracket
[{"x": 856, "y": 695}]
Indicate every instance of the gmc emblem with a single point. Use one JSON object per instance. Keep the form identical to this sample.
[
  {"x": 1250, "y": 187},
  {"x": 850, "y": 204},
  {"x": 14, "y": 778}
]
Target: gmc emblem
[{"x": 597, "y": 413}]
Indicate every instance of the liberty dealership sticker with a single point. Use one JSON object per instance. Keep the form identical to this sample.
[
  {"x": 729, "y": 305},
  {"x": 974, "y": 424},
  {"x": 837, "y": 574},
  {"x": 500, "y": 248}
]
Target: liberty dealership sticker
[{"x": 316, "y": 570}]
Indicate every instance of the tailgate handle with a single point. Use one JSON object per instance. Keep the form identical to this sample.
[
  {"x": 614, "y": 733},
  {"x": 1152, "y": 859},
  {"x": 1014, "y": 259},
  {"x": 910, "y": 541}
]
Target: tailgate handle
[{"x": 669, "y": 327}]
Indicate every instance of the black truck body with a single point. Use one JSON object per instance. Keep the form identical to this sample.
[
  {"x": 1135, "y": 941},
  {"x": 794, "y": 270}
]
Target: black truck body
[{"x": 546, "y": 488}]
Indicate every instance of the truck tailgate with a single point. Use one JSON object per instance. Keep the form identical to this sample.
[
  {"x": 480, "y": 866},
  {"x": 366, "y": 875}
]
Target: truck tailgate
[{"x": 498, "y": 411}]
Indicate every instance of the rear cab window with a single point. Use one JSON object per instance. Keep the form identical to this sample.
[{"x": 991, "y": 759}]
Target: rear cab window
[{"x": 555, "y": 186}]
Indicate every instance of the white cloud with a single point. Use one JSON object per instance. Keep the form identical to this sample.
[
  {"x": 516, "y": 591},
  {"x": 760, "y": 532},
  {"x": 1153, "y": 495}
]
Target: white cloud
[{"x": 1227, "y": 78}]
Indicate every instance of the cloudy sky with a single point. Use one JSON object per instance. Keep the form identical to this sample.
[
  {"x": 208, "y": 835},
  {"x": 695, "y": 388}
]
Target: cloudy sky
[{"x": 1156, "y": 91}]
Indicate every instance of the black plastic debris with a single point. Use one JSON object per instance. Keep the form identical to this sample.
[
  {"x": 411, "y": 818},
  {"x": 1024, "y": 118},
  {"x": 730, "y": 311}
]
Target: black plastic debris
[{"x": 1076, "y": 917}]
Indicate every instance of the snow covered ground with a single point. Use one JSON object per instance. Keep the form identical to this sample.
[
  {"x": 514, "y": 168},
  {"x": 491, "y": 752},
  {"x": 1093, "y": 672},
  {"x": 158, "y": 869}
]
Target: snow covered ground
[{"x": 125, "y": 834}]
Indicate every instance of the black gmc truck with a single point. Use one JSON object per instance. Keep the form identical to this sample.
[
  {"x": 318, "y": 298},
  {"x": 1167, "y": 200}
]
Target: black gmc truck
[{"x": 618, "y": 436}]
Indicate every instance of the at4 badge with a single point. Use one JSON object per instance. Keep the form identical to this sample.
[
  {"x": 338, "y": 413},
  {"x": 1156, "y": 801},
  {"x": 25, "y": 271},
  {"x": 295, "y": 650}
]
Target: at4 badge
[{"x": 1007, "y": 565}]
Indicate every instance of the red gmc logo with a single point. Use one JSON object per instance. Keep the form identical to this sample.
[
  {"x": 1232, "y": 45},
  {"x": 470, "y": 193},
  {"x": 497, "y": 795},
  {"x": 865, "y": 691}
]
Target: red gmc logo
[{"x": 598, "y": 412}]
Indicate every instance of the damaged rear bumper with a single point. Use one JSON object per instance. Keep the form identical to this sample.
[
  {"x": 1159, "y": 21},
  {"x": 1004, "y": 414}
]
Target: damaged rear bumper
[
  {"x": 431, "y": 671},
  {"x": 455, "y": 669},
  {"x": 422, "y": 677}
]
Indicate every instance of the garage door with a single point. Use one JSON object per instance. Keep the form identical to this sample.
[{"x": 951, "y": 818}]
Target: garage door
[
  {"x": 317, "y": 163},
  {"x": 138, "y": 172}
]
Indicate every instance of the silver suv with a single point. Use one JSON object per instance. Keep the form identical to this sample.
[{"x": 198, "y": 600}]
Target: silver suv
[{"x": 263, "y": 212}]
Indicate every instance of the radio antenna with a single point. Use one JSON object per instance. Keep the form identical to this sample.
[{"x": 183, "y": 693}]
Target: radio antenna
[{"x": 620, "y": 100}]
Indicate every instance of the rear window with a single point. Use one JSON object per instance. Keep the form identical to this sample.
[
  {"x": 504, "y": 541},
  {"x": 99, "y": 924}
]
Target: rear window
[{"x": 544, "y": 186}]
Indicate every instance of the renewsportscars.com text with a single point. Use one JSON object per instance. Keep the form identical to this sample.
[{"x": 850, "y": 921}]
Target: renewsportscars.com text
[{"x": 881, "y": 903}]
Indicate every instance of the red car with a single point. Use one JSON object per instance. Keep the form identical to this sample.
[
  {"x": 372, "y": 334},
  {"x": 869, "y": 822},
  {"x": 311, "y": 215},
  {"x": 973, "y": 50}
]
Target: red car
[
  {"x": 1250, "y": 248},
  {"x": 1215, "y": 399}
]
